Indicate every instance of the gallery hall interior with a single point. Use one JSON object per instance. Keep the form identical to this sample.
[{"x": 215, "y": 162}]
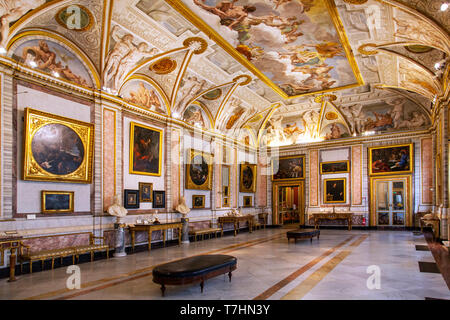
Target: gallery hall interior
[{"x": 198, "y": 150}]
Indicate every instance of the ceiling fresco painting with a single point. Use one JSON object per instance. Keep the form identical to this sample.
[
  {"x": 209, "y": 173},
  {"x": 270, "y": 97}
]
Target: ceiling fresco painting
[
  {"x": 52, "y": 58},
  {"x": 144, "y": 95},
  {"x": 245, "y": 68},
  {"x": 293, "y": 46}
]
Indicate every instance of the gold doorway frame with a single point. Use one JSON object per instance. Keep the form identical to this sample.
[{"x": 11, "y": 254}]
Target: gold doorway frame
[
  {"x": 373, "y": 198},
  {"x": 301, "y": 196}
]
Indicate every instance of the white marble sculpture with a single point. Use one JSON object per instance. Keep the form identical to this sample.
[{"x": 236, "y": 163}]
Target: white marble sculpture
[
  {"x": 182, "y": 207},
  {"x": 12, "y": 10},
  {"x": 116, "y": 209}
]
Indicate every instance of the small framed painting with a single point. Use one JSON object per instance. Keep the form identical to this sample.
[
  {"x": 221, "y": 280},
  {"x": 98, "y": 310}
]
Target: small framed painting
[
  {"x": 57, "y": 201},
  {"x": 145, "y": 192},
  {"x": 159, "y": 199},
  {"x": 334, "y": 190},
  {"x": 131, "y": 199},
  {"x": 198, "y": 201},
  {"x": 248, "y": 177},
  {"x": 248, "y": 201},
  {"x": 335, "y": 167}
]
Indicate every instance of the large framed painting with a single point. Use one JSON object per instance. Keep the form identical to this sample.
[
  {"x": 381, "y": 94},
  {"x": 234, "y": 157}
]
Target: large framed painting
[
  {"x": 57, "y": 149},
  {"x": 57, "y": 201},
  {"x": 145, "y": 192},
  {"x": 145, "y": 150},
  {"x": 397, "y": 159},
  {"x": 334, "y": 167},
  {"x": 199, "y": 170},
  {"x": 287, "y": 168},
  {"x": 334, "y": 190},
  {"x": 159, "y": 199},
  {"x": 248, "y": 177},
  {"x": 131, "y": 199}
]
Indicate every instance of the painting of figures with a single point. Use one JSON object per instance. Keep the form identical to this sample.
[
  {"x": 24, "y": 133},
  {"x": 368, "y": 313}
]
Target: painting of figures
[
  {"x": 293, "y": 45},
  {"x": 335, "y": 130},
  {"x": 50, "y": 57},
  {"x": 391, "y": 160},
  {"x": 334, "y": 190},
  {"x": 288, "y": 168},
  {"x": 143, "y": 95},
  {"x": 335, "y": 167},
  {"x": 145, "y": 150},
  {"x": 248, "y": 177},
  {"x": 199, "y": 170},
  {"x": 394, "y": 115},
  {"x": 194, "y": 115}
]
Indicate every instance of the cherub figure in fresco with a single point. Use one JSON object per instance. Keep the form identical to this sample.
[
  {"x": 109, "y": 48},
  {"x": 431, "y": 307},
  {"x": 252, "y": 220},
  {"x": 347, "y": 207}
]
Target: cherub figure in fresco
[
  {"x": 229, "y": 13},
  {"x": 122, "y": 47},
  {"x": 191, "y": 88},
  {"x": 335, "y": 132},
  {"x": 195, "y": 117},
  {"x": 12, "y": 10},
  {"x": 146, "y": 98},
  {"x": 397, "y": 111}
]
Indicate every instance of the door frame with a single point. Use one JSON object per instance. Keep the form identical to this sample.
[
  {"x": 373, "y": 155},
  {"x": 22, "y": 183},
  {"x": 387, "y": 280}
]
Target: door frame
[
  {"x": 300, "y": 183},
  {"x": 409, "y": 204}
]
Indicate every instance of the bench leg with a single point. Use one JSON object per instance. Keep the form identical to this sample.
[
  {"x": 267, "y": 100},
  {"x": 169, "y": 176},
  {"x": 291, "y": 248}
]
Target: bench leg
[
  {"x": 31, "y": 266},
  {"x": 53, "y": 263},
  {"x": 92, "y": 256},
  {"x": 107, "y": 253},
  {"x": 42, "y": 264},
  {"x": 202, "y": 284},
  {"x": 163, "y": 290},
  {"x": 73, "y": 259},
  {"x": 229, "y": 275}
]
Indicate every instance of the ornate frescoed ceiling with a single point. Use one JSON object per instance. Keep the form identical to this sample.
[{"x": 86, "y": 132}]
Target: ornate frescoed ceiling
[{"x": 250, "y": 69}]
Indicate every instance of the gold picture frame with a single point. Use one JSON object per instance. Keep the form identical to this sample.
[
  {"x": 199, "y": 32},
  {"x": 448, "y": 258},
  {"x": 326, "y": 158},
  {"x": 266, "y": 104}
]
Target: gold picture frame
[
  {"x": 283, "y": 164},
  {"x": 46, "y": 154},
  {"x": 335, "y": 190},
  {"x": 327, "y": 167},
  {"x": 57, "y": 201},
  {"x": 145, "y": 192},
  {"x": 199, "y": 175},
  {"x": 143, "y": 166},
  {"x": 247, "y": 177},
  {"x": 195, "y": 204},
  {"x": 247, "y": 201},
  {"x": 389, "y": 160}
]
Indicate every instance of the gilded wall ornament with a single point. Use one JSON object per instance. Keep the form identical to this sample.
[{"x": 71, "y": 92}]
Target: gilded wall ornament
[
  {"x": 198, "y": 45},
  {"x": 356, "y": 1},
  {"x": 362, "y": 49},
  {"x": 213, "y": 94}
]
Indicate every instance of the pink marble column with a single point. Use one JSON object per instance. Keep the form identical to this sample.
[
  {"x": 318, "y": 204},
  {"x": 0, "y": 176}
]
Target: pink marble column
[
  {"x": 218, "y": 174},
  {"x": 426, "y": 165},
  {"x": 175, "y": 166},
  {"x": 261, "y": 182},
  {"x": 314, "y": 178},
  {"x": 356, "y": 175},
  {"x": 235, "y": 183},
  {"x": 109, "y": 157}
]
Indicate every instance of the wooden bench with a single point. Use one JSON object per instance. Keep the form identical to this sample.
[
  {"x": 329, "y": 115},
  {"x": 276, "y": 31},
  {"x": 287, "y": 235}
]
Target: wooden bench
[
  {"x": 59, "y": 246},
  {"x": 202, "y": 228},
  {"x": 303, "y": 234},
  {"x": 193, "y": 269}
]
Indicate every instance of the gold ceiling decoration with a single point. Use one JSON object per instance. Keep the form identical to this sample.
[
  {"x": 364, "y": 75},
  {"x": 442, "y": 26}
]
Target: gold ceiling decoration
[
  {"x": 213, "y": 94},
  {"x": 246, "y": 79},
  {"x": 362, "y": 49},
  {"x": 198, "y": 44},
  {"x": 356, "y": 1},
  {"x": 325, "y": 97},
  {"x": 163, "y": 66},
  {"x": 331, "y": 116},
  {"x": 84, "y": 23},
  {"x": 417, "y": 48}
]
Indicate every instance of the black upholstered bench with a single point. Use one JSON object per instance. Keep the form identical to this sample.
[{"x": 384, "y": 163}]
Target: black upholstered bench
[
  {"x": 193, "y": 269},
  {"x": 303, "y": 234}
]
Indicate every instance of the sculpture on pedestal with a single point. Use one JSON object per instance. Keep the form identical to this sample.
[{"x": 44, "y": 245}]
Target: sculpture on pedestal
[
  {"x": 184, "y": 210},
  {"x": 118, "y": 211}
]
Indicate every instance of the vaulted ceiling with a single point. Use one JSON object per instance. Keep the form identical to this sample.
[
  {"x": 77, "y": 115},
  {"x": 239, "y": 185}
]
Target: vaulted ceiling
[{"x": 265, "y": 71}]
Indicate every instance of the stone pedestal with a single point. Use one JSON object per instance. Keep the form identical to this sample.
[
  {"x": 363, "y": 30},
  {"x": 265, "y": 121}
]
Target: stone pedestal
[
  {"x": 185, "y": 231},
  {"x": 120, "y": 240}
]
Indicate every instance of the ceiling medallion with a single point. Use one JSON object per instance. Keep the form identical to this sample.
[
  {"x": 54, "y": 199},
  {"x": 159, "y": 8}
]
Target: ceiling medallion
[
  {"x": 356, "y": 1},
  {"x": 213, "y": 94},
  {"x": 417, "y": 48},
  {"x": 197, "y": 44},
  {"x": 163, "y": 66},
  {"x": 331, "y": 116},
  {"x": 75, "y": 17}
]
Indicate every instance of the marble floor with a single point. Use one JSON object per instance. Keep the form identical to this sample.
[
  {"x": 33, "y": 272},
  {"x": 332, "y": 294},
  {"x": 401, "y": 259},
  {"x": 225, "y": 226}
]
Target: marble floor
[{"x": 334, "y": 267}]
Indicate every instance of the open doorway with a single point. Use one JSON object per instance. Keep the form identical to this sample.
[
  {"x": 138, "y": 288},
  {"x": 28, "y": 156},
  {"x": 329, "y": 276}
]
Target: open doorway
[{"x": 289, "y": 203}]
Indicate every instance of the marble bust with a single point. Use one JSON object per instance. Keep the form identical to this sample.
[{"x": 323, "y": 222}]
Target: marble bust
[
  {"x": 182, "y": 207},
  {"x": 116, "y": 209}
]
